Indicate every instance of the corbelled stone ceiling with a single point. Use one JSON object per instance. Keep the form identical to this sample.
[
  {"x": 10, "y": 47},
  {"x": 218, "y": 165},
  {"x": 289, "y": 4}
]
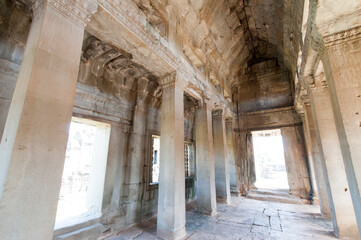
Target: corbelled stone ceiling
[
  {"x": 219, "y": 37},
  {"x": 226, "y": 35}
]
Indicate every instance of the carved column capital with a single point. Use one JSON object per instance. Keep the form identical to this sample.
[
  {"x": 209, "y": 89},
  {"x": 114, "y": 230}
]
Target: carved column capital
[
  {"x": 126, "y": 128},
  {"x": 320, "y": 83},
  {"x": 219, "y": 113},
  {"x": 78, "y": 11},
  {"x": 207, "y": 100},
  {"x": 173, "y": 80}
]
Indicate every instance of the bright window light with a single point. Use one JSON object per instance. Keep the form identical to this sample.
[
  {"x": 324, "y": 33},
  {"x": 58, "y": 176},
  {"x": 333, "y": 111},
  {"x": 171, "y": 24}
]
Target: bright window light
[
  {"x": 155, "y": 158},
  {"x": 269, "y": 160},
  {"x": 82, "y": 183}
]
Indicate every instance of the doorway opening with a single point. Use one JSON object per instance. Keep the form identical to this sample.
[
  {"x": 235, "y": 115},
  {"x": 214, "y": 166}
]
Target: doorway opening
[{"x": 269, "y": 160}]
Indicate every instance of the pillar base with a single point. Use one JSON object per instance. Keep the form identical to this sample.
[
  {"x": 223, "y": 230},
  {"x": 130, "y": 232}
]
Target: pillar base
[
  {"x": 208, "y": 213},
  {"x": 167, "y": 235},
  {"x": 223, "y": 200}
]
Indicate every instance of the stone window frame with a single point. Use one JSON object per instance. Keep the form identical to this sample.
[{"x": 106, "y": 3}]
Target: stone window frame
[
  {"x": 191, "y": 171},
  {"x": 149, "y": 160}
]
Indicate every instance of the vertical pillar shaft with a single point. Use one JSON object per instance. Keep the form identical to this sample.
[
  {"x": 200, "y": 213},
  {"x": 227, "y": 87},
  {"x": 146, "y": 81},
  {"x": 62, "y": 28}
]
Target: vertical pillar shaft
[
  {"x": 345, "y": 219},
  {"x": 233, "y": 182},
  {"x": 33, "y": 146},
  {"x": 311, "y": 168},
  {"x": 134, "y": 167},
  {"x": 220, "y": 157},
  {"x": 206, "y": 188},
  {"x": 171, "y": 198},
  {"x": 296, "y": 164},
  {"x": 116, "y": 164},
  {"x": 320, "y": 175},
  {"x": 343, "y": 71}
]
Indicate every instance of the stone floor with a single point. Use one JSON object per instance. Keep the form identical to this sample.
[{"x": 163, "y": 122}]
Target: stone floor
[{"x": 246, "y": 219}]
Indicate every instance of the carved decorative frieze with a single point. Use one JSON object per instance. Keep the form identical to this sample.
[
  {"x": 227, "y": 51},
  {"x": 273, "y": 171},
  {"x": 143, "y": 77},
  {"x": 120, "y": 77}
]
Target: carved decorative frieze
[
  {"x": 342, "y": 37},
  {"x": 78, "y": 11}
]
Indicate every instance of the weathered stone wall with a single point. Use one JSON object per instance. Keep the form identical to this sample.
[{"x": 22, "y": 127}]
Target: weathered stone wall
[
  {"x": 264, "y": 86},
  {"x": 14, "y": 28}
]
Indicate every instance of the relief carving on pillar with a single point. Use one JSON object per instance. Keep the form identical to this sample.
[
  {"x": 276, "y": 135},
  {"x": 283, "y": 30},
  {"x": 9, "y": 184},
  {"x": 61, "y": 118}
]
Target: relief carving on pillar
[
  {"x": 342, "y": 37},
  {"x": 76, "y": 10}
]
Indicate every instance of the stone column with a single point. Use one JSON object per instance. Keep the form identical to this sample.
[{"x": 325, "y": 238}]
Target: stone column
[
  {"x": 344, "y": 220},
  {"x": 171, "y": 197},
  {"x": 32, "y": 151},
  {"x": 251, "y": 163},
  {"x": 321, "y": 177},
  {"x": 220, "y": 157},
  {"x": 344, "y": 81},
  {"x": 206, "y": 188},
  {"x": 245, "y": 158},
  {"x": 295, "y": 160},
  {"x": 311, "y": 168},
  {"x": 233, "y": 179}
]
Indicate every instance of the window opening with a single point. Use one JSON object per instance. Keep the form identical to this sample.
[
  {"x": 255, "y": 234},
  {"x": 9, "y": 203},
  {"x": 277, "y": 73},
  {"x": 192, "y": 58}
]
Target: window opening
[
  {"x": 269, "y": 160},
  {"x": 155, "y": 158},
  {"x": 189, "y": 164},
  {"x": 81, "y": 191}
]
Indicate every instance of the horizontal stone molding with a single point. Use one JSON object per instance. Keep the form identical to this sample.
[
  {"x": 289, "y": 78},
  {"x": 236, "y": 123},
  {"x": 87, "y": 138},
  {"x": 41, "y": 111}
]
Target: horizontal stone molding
[
  {"x": 77, "y": 11},
  {"x": 343, "y": 37}
]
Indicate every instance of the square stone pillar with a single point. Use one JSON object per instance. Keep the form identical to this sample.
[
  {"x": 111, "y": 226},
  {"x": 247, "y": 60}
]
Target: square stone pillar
[
  {"x": 295, "y": 161},
  {"x": 32, "y": 150},
  {"x": 233, "y": 178},
  {"x": 171, "y": 196},
  {"x": 322, "y": 183},
  {"x": 206, "y": 188},
  {"x": 344, "y": 218},
  {"x": 220, "y": 157},
  {"x": 344, "y": 82}
]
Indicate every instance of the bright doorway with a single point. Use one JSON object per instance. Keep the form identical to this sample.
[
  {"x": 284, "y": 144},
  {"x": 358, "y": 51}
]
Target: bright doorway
[{"x": 269, "y": 160}]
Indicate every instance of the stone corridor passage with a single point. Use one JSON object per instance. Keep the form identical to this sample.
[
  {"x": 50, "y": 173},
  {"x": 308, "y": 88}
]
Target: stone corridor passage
[
  {"x": 137, "y": 119},
  {"x": 245, "y": 219}
]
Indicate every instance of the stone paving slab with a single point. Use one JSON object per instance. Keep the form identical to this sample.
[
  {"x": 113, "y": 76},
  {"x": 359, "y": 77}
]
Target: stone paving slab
[{"x": 246, "y": 219}]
